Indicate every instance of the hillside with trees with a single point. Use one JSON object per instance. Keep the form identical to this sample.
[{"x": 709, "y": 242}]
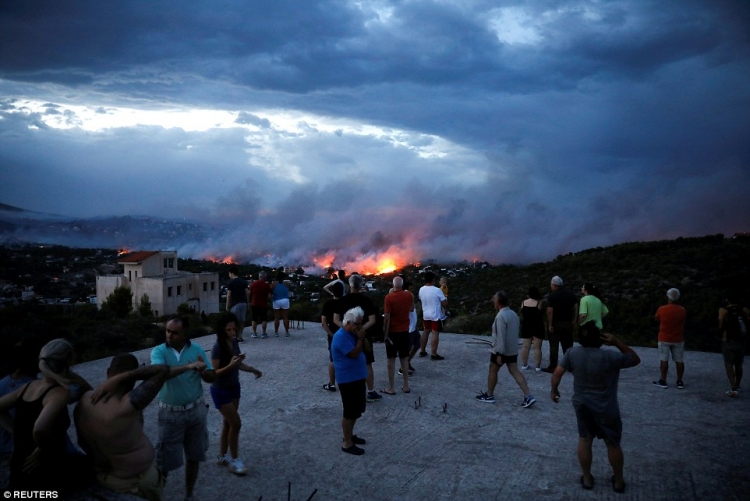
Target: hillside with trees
[{"x": 633, "y": 278}]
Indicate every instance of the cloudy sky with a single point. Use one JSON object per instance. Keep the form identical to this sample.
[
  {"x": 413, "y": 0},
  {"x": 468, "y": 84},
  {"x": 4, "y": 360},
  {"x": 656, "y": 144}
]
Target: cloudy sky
[{"x": 354, "y": 131}]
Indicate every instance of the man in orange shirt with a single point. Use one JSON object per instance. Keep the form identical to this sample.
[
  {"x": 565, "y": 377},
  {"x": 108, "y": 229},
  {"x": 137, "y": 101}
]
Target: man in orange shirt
[{"x": 671, "y": 319}]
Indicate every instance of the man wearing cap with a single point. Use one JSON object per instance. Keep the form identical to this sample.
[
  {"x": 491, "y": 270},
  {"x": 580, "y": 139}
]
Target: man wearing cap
[
  {"x": 671, "y": 319},
  {"x": 561, "y": 316},
  {"x": 182, "y": 410}
]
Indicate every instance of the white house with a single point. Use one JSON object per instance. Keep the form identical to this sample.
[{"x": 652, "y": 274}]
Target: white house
[{"x": 155, "y": 273}]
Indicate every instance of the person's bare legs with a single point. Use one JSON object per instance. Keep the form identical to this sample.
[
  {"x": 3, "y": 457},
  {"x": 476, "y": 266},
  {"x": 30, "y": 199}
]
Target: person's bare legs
[
  {"x": 254, "y": 325},
  {"x": 585, "y": 457},
  {"x": 730, "y": 375},
  {"x": 538, "y": 352},
  {"x": 737, "y": 375},
  {"x": 617, "y": 460},
  {"x": 370, "y": 378},
  {"x": 525, "y": 352},
  {"x": 680, "y": 370},
  {"x": 276, "y": 320},
  {"x": 520, "y": 379},
  {"x": 285, "y": 316},
  {"x": 331, "y": 374},
  {"x": 347, "y": 426},
  {"x": 423, "y": 341},
  {"x": 434, "y": 342},
  {"x": 492, "y": 378},
  {"x": 663, "y": 369},
  {"x": 391, "y": 364},
  {"x": 405, "y": 371},
  {"x": 230, "y": 431}
]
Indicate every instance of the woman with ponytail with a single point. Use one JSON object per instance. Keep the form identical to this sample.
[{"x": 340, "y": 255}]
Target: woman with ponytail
[{"x": 40, "y": 459}]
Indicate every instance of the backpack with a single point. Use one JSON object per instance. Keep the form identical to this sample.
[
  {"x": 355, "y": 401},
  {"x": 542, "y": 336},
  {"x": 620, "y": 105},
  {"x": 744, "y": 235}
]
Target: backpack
[{"x": 735, "y": 323}]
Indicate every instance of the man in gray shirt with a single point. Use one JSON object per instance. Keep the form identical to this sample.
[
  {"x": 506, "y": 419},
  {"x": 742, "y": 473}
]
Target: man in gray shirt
[
  {"x": 504, "y": 351},
  {"x": 596, "y": 374}
]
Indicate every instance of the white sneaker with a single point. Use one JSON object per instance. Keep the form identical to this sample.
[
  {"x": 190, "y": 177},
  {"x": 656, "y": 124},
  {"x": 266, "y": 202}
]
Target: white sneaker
[
  {"x": 525, "y": 367},
  {"x": 237, "y": 467},
  {"x": 223, "y": 460},
  {"x": 538, "y": 369}
]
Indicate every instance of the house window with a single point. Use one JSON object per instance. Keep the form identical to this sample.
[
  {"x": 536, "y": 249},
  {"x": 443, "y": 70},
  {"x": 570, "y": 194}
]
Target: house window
[
  {"x": 136, "y": 273},
  {"x": 205, "y": 286},
  {"x": 190, "y": 287},
  {"x": 130, "y": 275},
  {"x": 179, "y": 290},
  {"x": 169, "y": 292},
  {"x": 213, "y": 285},
  {"x": 169, "y": 262}
]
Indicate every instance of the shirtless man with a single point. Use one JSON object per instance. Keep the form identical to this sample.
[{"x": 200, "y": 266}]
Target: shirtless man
[{"x": 109, "y": 421}]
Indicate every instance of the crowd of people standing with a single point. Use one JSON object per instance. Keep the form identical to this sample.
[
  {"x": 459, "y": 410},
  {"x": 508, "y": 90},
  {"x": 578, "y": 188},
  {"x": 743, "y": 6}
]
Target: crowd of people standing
[{"x": 113, "y": 449}]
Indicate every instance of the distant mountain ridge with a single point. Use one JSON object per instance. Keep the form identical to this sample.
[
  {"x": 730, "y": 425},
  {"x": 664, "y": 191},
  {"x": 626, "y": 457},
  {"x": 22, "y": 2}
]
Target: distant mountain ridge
[{"x": 18, "y": 225}]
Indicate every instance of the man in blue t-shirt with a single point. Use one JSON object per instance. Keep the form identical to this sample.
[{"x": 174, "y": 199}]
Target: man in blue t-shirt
[
  {"x": 182, "y": 410},
  {"x": 351, "y": 372}
]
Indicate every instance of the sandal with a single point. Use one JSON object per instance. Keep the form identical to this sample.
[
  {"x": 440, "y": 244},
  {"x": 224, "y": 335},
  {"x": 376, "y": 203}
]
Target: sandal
[
  {"x": 385, "y": 390},
  {"x": 408, "y": 390},
  {"x": 329, "y": 387}
]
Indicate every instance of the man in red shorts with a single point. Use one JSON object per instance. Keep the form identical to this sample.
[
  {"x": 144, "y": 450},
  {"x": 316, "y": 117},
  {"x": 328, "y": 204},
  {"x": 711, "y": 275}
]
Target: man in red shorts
[{"x": 433, "y": 301}]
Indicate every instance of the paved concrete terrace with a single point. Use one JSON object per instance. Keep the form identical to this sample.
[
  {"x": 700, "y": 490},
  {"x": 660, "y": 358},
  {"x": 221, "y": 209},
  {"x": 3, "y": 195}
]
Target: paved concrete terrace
[{"x": 679, "y": 444}]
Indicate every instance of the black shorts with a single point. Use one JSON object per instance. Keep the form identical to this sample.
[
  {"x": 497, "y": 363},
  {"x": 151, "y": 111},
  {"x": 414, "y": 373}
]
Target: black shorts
[
  {"x": 354, "y": 398},
  {"x": 260, "y": 313},
  {"x": 595, "y": 424},
  {"x": 399, "y": 345},
  {"x": 499, "y": 359}
]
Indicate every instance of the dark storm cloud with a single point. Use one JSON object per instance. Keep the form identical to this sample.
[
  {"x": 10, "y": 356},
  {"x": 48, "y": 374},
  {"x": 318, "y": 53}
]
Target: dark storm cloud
[{"x": 586, "y": 123}]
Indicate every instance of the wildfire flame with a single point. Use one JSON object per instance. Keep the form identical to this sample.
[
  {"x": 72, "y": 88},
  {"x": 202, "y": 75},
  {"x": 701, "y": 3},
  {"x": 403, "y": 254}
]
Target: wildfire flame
[
  {"x": 226, "y": 260},
  {"x": 122, "y": 252},
  {"x": 370, "y": 264}
]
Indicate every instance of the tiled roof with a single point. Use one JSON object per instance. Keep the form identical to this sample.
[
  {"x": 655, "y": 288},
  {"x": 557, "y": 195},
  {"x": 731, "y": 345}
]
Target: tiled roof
[{"x": 137, "y": 257}]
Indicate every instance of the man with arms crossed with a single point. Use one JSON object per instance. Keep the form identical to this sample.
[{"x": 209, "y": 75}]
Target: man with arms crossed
[
  {"x": 596, "y": 373},
  {"x": 109, "y": 422},
  {"x": 182, "y": 409},
  {"x": 433, "y": 301},
  {"x": 398, "y": 305},
  {"x": 671, "y": 319}
]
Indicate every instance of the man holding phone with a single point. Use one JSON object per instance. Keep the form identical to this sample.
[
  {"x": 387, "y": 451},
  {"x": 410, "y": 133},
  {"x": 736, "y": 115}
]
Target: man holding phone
[{"x": 398, "y": 305}]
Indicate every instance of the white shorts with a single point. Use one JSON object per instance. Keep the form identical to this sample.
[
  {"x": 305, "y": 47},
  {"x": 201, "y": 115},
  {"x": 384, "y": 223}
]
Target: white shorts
[
  {"x": 281, "y": 304},
  {"x": 676, "y": 349}
]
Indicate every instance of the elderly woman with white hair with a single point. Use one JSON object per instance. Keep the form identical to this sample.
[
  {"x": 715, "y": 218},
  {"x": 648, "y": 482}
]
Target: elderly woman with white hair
[
  {"x": 351, "y": 372},
  {"x": 40, "y": 460}
]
